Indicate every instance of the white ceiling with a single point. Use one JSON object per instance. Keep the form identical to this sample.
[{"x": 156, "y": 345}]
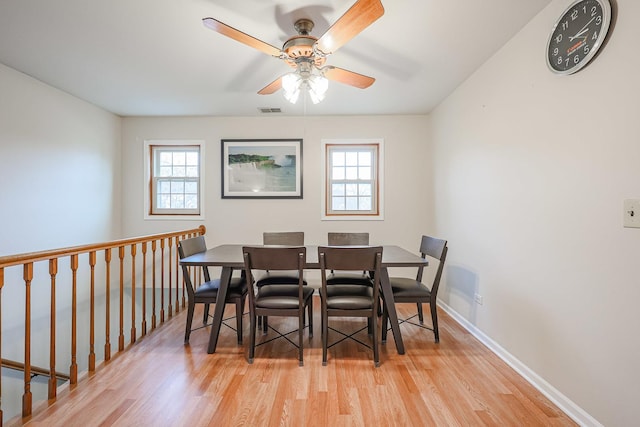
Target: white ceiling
[{"x": 154, "y": 57}]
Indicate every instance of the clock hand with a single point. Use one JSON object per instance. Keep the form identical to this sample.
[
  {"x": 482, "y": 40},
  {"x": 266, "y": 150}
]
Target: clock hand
[{"x": 582, "y": 30}]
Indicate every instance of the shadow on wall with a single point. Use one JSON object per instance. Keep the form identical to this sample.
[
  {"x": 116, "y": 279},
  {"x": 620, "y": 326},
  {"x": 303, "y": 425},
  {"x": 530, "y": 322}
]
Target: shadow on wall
[{"x": 461, "y": 285}]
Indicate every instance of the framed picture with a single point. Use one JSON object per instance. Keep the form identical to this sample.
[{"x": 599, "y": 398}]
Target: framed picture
[{"x": 261, "y": 168}]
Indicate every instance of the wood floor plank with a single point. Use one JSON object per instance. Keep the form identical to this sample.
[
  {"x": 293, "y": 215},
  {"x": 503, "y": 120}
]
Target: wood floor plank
[{"x": 160, "y": 381}]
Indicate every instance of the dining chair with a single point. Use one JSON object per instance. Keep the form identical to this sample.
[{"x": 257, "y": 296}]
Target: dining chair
[
  {"x": 279, "y": 238},
  {"x": 348, "y": 299},
  {"x": 207, "y": 292},
  {"x": 408, "y": 290},
  {"x": 278, "y": 298}
]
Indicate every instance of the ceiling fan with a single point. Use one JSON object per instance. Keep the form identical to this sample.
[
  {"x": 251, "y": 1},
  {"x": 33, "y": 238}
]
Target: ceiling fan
[{"x": 307, "y": 54}]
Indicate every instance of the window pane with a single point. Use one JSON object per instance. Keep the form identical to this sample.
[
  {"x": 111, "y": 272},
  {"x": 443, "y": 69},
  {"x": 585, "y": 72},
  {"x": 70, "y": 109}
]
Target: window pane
[
  {"x": 164, "y": 187},
  {"x": 165, "y": 170},
  {"x": 352, "y": 173},
  {"x": 364, "y": 190},
  {"x": 352, "y": 159},
  {"x": 337, "y": 173},
  {"x": 165, "y": 158},
  {"x": 337, "y": 189},
  {"x": 364, "y": 204},
  {"x": 179, "y": 158},
  {"x": 338, "y": 203},
  {"x": 192, "y": 158},
  {"x": 337, "y": 158},
  {"x": 352, "y": 189},
  {"x": 352, "y": 203},
  {"x": 177, "y": 201},
  {"x": 192, "y": 171},
  {"x": 164, "y": 201},
  {"x": 364, "y": 158},
  {"x": 364, "y": 172},
  {"x": 177, "y": 187},
  {"x": 191, "y": 201},
  {"x": 191, "y": 187}
]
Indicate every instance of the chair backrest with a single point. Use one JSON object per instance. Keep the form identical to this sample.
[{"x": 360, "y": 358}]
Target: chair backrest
[
  {"x": 348, "y": 258},
  {"x": 286, "y": 238},
  {"x": 435, "y": 248},
  {"x": 188, "y": 247},
  {"x": 346, "y": 239},
  {"x": 273, "y": 258}
]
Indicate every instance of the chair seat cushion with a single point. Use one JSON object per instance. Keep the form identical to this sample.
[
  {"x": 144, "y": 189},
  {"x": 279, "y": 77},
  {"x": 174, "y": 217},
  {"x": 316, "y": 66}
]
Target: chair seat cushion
[
  {"x": 281, "y": 296},
  {"x": 237, "y": 288},
  {"x": 279, "y": 277},
  {"x": 346, "y": 278},
  {"x": 348, "y": 297},
  {"x": 408, "y": 288}
]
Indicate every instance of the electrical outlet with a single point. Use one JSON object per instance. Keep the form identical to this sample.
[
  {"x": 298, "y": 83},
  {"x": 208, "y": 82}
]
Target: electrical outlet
[
  {"x": 631, "y": 213},
  {"x": 477, "y": 298}
]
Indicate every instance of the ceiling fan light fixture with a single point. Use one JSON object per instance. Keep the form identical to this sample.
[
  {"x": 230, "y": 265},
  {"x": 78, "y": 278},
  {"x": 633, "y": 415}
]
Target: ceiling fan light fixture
[
  {"x": 318, "y": 86},
  {"x": 308, "y": 78}
]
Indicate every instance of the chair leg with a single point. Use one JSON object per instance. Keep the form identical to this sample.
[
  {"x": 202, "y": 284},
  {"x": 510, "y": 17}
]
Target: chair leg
[
  {"x": 239, "y": 310},
  {"x": 252, "y": 335},
  {"x": 190, "y": 310},
  {"x": 300, "y": 335},
  {"x": 420, "y": 316},
  {"x": 265, "y": 324},
  {"x": 434, "y": 320},
  {"x": 206, "y": 314},
  {"x": 376, "y": 350},
  {"x": 384, "y": 325},
  {"x": 325, "y": 332},
  {"x": 310, "y": 309}
]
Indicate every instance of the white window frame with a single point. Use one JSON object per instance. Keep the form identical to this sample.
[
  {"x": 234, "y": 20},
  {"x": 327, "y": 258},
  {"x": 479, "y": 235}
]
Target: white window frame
[
  {"x": 148, "y": 184},
  {"x": 378, "y": 179}
]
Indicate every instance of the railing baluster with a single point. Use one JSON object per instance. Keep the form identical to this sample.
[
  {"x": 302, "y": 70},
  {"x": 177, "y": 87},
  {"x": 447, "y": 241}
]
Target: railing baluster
[
  {"x": 121, "y": 336},
  {"x": 153, "y": 284},
  {"x": 1, "y": 286},
  {"x": 107, "y": 329},
  {"x": 53, "y": 386},
  {"x": 170, "y": 246},
  {"x": 73, "y": 369},
  {"x": 176, "y": 261},
  {"x": 144, "y": 288},
  {"x": 92, "y": 312},
  {"x": 162, "y": 281},
  {"x": 133, "y": 293},
  {"x": 26, "y": 397}
]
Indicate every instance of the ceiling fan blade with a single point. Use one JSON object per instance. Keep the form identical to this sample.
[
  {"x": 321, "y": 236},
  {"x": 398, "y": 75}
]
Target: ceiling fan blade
[
  {"x": 348, "y": 77},
  {"x": 362, "y": 14},
  {"x": 238, "y": 35},
  {"x": 272, "y": 87}
]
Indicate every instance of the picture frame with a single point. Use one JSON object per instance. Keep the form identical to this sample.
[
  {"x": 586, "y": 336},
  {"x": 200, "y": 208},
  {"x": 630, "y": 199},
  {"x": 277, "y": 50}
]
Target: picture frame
[{"x": 261, "y": 168}]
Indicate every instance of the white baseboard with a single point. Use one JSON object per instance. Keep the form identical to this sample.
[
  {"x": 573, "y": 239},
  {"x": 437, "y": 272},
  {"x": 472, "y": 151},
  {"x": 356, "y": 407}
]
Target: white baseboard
[{"x": 565, "y": 404}]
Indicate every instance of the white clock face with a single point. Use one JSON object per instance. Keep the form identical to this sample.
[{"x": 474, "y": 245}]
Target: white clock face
[{"x": 578, "y": 35}]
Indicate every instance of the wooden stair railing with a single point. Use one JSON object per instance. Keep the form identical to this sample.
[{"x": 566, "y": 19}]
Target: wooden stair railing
[{"x": 138, "y": 280}]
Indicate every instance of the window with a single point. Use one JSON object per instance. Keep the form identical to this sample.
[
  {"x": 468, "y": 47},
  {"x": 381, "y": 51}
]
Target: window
[
  {"x": 352, "y": 179},
  {"x": 175, "y": 175}
]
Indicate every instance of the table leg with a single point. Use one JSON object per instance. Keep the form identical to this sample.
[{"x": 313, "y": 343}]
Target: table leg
[
  {"x": 225, "y": 278},
  {"x": 387, "y": 292}
]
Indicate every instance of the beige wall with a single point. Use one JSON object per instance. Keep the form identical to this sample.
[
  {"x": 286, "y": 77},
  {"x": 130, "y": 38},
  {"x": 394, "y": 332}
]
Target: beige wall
[
  {"x": 408, "y": 211},
  {"x": 531, "y": 173}
]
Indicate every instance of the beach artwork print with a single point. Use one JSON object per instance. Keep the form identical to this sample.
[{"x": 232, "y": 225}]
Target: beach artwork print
[{"x": 262, "y": 168}]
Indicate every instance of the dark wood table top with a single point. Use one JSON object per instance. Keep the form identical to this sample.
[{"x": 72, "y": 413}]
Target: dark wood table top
[{"x": 230, "y": 255}]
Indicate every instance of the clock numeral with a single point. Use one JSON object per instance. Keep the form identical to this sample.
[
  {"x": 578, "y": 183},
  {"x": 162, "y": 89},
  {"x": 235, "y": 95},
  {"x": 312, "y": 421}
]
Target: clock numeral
[
  {"x": 574, "y": 14},
  {"x": 558, "y": 38},
  {"x": 565, "y": 26},
  {"x": 586, "y": 49},
  {"x": 594, "y": 11},
  {"x": 556, "y": 51},
  {"x": 599, "y": 20},
  {"x": 576, "y": 59},
  {"x": 559, "y": 60},
  {"x": 594, "y": 36}
]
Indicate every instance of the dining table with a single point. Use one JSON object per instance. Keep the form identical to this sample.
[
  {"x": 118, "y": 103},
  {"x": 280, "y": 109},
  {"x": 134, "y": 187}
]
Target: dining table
[{"x": 229, "y": 257}]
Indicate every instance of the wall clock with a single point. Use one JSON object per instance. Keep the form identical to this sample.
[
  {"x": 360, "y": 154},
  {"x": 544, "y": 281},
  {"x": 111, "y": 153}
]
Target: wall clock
[{"x": 578, "y": 35}]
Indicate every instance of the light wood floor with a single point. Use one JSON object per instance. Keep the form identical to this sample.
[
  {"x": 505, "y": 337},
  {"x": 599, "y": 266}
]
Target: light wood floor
[{"x": 162, "y": 382}]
